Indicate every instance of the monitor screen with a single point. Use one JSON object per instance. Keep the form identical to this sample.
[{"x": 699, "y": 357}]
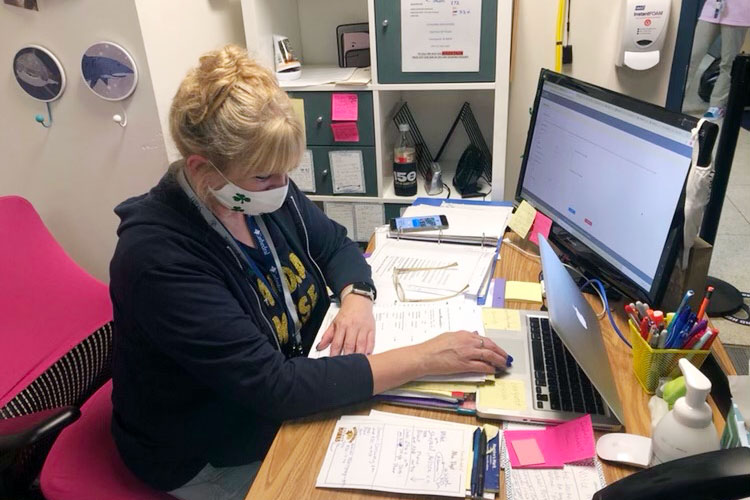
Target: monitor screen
[{"x": 609, "y": 171}]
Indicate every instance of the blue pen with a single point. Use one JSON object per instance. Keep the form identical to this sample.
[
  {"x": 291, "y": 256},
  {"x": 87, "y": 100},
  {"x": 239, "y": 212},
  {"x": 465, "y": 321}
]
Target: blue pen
[
  {"x": 677, "y": 332},
  {"x": 675, "y": 327},
  {"x": 685, "y": 330},
  {"x": 475, "y": 462},
  {"x": 684, "y": 302}
]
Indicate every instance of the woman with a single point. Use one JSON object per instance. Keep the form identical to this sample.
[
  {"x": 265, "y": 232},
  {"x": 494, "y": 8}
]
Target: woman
[{"x": 216, "y": 305}]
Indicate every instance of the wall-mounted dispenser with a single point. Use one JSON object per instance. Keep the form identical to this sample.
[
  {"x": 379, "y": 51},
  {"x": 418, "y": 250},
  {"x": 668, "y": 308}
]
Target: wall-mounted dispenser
[{"x": 643, "y": 28}]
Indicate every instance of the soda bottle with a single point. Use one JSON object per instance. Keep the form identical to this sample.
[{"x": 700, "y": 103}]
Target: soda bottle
[{"x": 404, "y": 164}]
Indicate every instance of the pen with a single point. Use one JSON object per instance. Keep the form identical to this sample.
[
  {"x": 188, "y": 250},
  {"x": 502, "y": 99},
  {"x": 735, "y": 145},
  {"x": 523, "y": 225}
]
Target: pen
[
  {"x": 482, "y": 463},
  {"x": 658, "y": 318},
  {"x": 693, "y": 340},
  {"x": 640, "y": 306},
  {"x": 632, "y": 314},
  {"x": 701, "y": 325},
  {"x": 704, "y": 303},
  {"x": 662, "y": 339},
  {"x": 475, "y": 462},
  {"x": 684, "y": 302},
  {"x": 654, "y": 340},
  {"x": 703, "y": 341},
  {"x": 714, "y": 334}
]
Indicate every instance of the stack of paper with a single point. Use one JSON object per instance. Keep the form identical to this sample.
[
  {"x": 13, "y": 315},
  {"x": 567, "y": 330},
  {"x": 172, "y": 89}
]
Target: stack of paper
[
  {"x": 404, "y": 454},
  {"x": 475, "y": 224},
  {"x": 577, "y": 481}
]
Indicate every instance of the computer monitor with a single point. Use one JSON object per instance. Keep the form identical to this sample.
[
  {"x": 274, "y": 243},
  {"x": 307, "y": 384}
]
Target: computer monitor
[{"x": 610, "y": 172}]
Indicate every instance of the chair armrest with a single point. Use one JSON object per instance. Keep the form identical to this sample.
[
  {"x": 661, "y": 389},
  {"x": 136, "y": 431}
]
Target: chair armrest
[{"x": 18, "y": 432}]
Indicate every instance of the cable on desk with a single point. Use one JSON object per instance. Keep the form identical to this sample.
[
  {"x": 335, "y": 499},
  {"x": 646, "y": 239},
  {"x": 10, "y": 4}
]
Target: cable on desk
[
  {"x": 605, "y": 305},
  {"x": 603, "y": 294}
]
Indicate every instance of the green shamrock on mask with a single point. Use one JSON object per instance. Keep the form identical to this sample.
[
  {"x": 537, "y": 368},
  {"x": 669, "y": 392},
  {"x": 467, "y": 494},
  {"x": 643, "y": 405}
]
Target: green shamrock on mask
[
  {"x": 237, "y": 209},
  {"x": 240, "y": 197}
]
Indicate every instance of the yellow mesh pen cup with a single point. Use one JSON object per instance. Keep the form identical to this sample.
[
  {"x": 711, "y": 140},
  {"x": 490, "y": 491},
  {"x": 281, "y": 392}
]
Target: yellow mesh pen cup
[{"x": 651, "y": 364}]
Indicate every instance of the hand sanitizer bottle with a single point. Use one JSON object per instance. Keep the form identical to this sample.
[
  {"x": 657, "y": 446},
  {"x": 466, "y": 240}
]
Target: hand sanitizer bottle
[{"x": 688, "y": 429}]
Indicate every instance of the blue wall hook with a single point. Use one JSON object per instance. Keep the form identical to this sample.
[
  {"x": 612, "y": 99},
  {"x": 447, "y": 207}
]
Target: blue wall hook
[{"x": 40, "y": 118}]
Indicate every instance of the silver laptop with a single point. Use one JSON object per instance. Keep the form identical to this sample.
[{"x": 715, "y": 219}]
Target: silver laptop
[{"x": 560, "y": 358}]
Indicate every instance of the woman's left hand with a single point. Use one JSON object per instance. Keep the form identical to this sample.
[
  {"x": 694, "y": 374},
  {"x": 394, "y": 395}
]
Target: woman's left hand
[{"x": 353, "y": 328}]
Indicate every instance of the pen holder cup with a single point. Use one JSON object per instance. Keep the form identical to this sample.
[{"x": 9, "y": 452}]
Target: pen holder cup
[{"x": 651, "y": 364}]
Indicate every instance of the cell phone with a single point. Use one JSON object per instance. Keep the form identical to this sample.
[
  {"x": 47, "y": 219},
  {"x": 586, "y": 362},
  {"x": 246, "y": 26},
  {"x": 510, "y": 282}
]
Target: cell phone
[{"x": 424, "y": 223}]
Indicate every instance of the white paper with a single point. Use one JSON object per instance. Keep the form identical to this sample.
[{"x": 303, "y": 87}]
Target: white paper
[
  {"x": 440, "y": 36},
  {"x": 427, "y": 458},
  {"x": 341, "y": 213},
  {"x": 367, "y": 217},
  {"x": 304, "y": 174},
  {"x": 318, "y": 75},
  {"x": 347, "y": 171},
  {"x": 412, "y": 323}
]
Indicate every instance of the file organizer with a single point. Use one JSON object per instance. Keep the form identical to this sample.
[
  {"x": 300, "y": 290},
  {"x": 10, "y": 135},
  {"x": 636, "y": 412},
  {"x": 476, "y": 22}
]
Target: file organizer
[{"x": 466, "y": 117}]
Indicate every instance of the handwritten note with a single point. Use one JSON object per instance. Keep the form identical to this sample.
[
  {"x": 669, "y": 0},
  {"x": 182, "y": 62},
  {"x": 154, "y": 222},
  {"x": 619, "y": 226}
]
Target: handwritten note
[
  {"x": 565, "y": 443},
  {"x": 344, "y": 107},
  {"x": 367, "y": 216},
  {"x": 347, "y": 171},
  {"x": 341, "y": 213},
  {"x": 527, "y": 451},
  {"x": 541, "y": 225},
  {"x": 522, "y": 219},
  {"x": 523, "y": 290},
  {"x": 572, "y": 482},
  {"x": 573, "y": 441},
  {"x": 345, "y": 132},
  {"x": 415, "y": 458},
  {"x": 501, "y": 319},
  {"x": 504, "y": 394},
  {"x": 304, "y": 175},
  {"x": 298, "y": 106}
]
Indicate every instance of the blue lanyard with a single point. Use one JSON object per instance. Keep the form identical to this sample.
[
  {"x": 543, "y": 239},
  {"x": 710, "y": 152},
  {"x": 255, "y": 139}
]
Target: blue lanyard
[{"x": 262, "y": 244}]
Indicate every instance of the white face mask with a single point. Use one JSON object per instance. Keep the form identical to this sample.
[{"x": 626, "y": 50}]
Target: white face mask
[{"x": 247, "y": 202}]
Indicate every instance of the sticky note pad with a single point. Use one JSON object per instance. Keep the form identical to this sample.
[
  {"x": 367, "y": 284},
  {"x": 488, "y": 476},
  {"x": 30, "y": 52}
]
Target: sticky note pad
[
  {"x": 522, "y": 219},
  {"x": 523, "y": 290},
  {"x": 345, "y": 132},
  {"x": 344, "y": 107},
  {"x": 298, "y": 106},
  {"x": 528, "y": 452},
  {"x": 541, "y": 225},
  {"x": 504, "y": 394},
  {"x": 572, "y": 441},
  {"x": 501, "y": 319}
]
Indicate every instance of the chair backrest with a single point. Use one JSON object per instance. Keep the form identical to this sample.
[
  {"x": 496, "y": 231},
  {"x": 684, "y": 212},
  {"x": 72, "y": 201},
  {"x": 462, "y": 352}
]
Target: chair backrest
[{"x": 48, "y": 304}]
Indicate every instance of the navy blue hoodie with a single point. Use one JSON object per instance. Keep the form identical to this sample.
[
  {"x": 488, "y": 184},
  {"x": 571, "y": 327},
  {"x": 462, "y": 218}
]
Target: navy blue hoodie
[{"x": 198, "y": 376}]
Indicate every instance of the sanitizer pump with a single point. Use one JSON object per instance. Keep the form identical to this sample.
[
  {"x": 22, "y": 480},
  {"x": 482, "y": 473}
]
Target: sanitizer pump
[
  {"x": 643, "y": 29},
  {"x": 688, "y": 429}
]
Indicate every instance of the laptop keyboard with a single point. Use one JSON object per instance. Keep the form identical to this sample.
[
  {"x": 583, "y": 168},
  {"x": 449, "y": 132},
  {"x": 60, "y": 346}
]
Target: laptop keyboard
[{"x": 560, "y": 383}]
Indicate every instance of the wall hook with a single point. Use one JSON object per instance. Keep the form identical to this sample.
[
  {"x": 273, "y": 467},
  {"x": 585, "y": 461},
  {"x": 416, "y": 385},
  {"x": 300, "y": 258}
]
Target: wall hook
[
  {"x": 121, "y": 118},
  {"x": 40, "y": 118}
]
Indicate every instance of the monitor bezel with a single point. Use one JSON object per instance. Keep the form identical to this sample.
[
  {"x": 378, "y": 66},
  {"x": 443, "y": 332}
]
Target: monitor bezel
[{"x": 590, "y": 260}]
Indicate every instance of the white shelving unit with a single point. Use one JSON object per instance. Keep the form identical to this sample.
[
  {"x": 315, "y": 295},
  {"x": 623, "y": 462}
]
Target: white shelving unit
[{"x": 310, "y": 26}]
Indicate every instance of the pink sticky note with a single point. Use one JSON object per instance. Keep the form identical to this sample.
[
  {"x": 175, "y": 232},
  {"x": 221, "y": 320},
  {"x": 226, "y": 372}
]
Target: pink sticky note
[
  {"x": 541, "y": 225},
  {"x": 550, "y": 460},
  {"x": 528, "y": 452},
  {"x": 345, "y": 132},
  {"x": 572, "y": 441},
  {"x": 344, "y": 107}
]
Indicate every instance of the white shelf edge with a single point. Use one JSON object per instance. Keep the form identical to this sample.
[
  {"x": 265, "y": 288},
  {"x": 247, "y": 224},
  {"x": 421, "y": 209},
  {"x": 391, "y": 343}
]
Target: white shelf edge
[
  {"x": 328, "y": 87},
  {"x": 434, "y": 86}
]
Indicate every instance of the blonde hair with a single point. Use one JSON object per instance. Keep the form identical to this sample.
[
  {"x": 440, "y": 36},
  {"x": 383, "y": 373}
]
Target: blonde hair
[{"x": 230, "y": 110}]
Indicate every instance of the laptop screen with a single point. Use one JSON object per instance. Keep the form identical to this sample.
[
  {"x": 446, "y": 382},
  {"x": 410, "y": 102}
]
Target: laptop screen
[{"x": 610, "y": 175}]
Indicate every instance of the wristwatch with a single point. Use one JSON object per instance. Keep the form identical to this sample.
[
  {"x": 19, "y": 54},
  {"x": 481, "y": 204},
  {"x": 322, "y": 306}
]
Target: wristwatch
[{"x": 359, "y": 288}]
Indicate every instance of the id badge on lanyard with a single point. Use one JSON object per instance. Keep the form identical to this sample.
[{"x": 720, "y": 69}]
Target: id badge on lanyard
[{"x": 263, "y": 240}]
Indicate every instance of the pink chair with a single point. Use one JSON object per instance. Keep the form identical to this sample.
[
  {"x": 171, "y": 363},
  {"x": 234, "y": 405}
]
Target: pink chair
[{"x": 56, "y": 330}]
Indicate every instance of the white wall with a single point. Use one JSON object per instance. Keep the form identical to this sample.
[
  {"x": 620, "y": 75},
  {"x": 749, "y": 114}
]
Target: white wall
[
  {"x": 594, "y": 32},
  {"x": 176, "y": 33},
  {"x": 77, "y": 171}
]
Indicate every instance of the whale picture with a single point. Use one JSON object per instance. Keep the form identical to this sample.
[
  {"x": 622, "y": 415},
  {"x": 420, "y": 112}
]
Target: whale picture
[
  {"x": 109, "y": 71},
  {"x": 39, "y": 73}
]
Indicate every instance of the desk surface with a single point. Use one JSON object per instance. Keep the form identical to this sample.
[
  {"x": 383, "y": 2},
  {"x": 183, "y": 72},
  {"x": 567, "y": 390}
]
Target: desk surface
[{"x": 291, "y": 467}]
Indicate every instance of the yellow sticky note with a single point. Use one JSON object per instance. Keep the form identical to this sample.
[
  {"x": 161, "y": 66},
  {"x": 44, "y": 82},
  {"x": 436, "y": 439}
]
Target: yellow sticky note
[
  {"x": 501, "y": 319},
  {"x": 523, "y": 290},
  {"x": 522, "y": 219},
  {"x": 504, "y": 394},
  {"x": 298, "y": 106}
]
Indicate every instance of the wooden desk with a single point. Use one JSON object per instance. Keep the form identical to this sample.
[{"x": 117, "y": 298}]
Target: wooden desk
[{"x": 291, "y": 467}]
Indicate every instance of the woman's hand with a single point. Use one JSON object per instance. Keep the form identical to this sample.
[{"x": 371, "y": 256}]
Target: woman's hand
[
  {"x": 353, "y": 328},
  {"x": 462, "y": 351}
]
